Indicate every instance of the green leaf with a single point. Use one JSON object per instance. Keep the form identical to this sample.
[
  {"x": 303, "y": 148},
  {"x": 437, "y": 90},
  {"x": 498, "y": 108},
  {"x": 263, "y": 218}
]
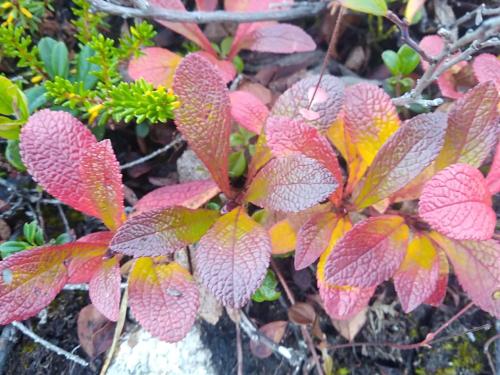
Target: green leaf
[
  {"x": 375, "y": 7},
  {"x": 13, "y": 156},
  {"x": 238, "y": 64},
  {"x": 11, "y": 247},
  {"x": 45, "y": 47},
  {"x": 84, "y": 68},
  {"x": 59, "y": 60},
  {"x": 62, "y": 239},
  {"x": 6, "y": 97},
  {"x": 391, "y": 60},
  {"x": 33, "y": 234},
  {"x": 236, "y": 139},
  {"x": 408, "y": 59},
  {"x": 237, "y": 164},
  {"x": 36, "y": 97},
  {"x": 9, "y": 128},
  {"x": 142, "y": 129},
  {"x": 225, "y": 46},
  {"x": 267, "y": 291}
]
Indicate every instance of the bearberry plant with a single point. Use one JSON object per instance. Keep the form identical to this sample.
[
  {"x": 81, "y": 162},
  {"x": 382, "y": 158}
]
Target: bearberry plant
[{"x": 410, "y": 199}]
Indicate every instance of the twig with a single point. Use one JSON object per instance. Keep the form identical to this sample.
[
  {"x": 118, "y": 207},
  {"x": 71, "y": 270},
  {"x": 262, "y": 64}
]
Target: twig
[
  {"x": 118, "y": 332},
  {"x": 239, "y": 349},
  {"x": 424, "y": 343},
  {"x": 154, "y": 154},
  {"x": 294, "y": 357},
  {"x": 484, "y": 36},
  {"x": 85, "y": 287},
  {"x": 47, "y": 345},
  {"x": 64, "y": 219},
  {"x": 303, "y": 329},
  {"x": 7, "y": 341},
  {"x": 300, "y": 10},
  {"x": 404, "y": 28},
  {"x": 477, "y": 14}
]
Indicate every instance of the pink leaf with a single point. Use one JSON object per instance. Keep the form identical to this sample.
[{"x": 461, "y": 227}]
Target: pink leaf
[
  {"x": 52, "y": 147},
  {"x": 344, "y": 302},
  {"x": 477, "y": 266},
  {"x": 104, "y": 288},
  {"x": 83, "y": 264},
  {"x": 232, "y": 258},
  {"x": 487, "y": 68},
  {"x": 225, "y": 68},
  {"x": 327, "y": 101},
  {"x": 417, "y": 277},
  {"x": 286, "y": 136},
  {"x": 31, "y": 279},
  {"x": 163, "y": 231},
  {"x": 313, "y": 238},
  {"x": 472, "y": 128},
  {"x": 278, "y": 38},
  {"x": 193, "y": 194},
  {"x": 206, "y": 5},
  {"x": 189, "y": 30},
  {"x": 457, "y": 203},
  {"x": 248, "y": 111},
  {"x": 164, "y": 298},
  {"x": 291, "y": 183},
  {"x": 156, "y": 66},
  {"x": 369, "y": 253},
  {"x": 433, "y": 45},
  {"x": 204, "y": 117},
  {"x": 493, "y": 178},
  {"x": 100, "y": 172},
  {"x": 439, "y": 293}
]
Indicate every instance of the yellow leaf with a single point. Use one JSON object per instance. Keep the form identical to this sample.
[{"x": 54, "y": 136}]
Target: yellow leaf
[{"x": 283, "y": 237}]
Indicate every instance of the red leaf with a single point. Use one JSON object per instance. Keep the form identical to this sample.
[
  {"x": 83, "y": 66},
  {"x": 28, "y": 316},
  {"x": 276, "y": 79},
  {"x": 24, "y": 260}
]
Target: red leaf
[
  {"x": 31, "y": 279},
  {"x": 370, "y": 118},
  {"x": 326, "y": 105},
  {"x": 83, "y": 264},
  {"x": 104, "y": 288},
  {"x": 286, "y": 136},
  {"x": 225, "y": 68},
  {"x": 417, "y": 277},
  {"x": 437, "y": 296},
  {"x": 162, "y": 231},
  {"x": 291, "y": 183},
  {"x": 301, "y": 313},
  {"x": 369, "y": 253},
  {"x": 313, "y": 239},
  {"x": 457, "y": 202},
  {"x": 477, "y": 266},
  {"x": 100, "y": 172},
  {"x": 206, "y": 5},
  {"x": 278, "y": 38},
  {"x": 493, "y": 178},
  {"x": 232, "y": 258},
  {"x": 487, "y": 68},
  {"x": 189, "y": 30},
  {"x": 402, "y": 158},
  {"x": 472, "y": 127},
  {"x": 344, "y": 302},
  {"x": 52, "y": 147},
  {"x": 248, "y": 111},
  {"x": 95, "y": 332},
  {"x": 193, "y": 194},
  {"x": 204, "y": 116},
  {"x": 156, "y": 66},
  {"x": 164, "y": 298}
]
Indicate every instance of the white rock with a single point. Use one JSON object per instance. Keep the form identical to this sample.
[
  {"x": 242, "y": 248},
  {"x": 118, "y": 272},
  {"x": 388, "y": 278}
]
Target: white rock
[{"x": 141, "y": 354}]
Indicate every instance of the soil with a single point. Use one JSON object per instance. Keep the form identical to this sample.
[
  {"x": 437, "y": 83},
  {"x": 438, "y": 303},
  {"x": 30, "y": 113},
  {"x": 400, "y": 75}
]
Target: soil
[{"x": 459, "y": 350}]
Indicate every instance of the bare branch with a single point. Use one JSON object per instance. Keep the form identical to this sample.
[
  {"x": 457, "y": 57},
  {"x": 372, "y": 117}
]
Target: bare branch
[
  {"x": 49, "y": 345},
  {"x": 154, "y": 154},
  {"x": 300, "y": 10}
]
